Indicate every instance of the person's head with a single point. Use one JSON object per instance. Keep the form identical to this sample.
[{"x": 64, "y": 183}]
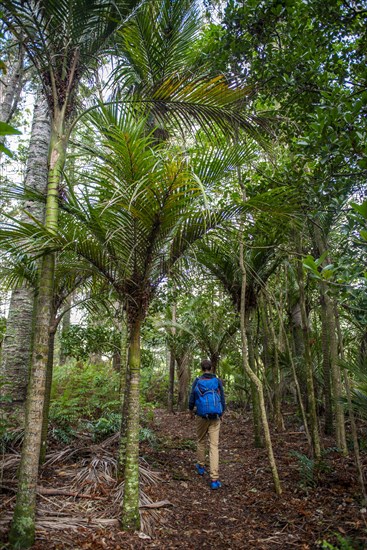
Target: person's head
[{"x": 206, "y": 365}]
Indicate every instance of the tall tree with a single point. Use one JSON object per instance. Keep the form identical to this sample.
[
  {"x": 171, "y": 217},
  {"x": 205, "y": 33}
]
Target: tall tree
[
  {"x": 62, "y": 40},
  {"x": 16, "y": 356}
]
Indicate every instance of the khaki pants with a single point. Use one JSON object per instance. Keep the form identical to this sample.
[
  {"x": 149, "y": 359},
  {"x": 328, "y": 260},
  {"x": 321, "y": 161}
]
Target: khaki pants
[{"x": 211, "y": 428}]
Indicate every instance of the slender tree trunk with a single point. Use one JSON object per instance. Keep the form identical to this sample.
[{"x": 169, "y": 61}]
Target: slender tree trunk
[
  {"x": 313, "y": 424},
  {"x": 65, "y": 327},
  {"x": 293, "y": 366},
  {"x": 124, "y": 391},
  {"x": 172, "y": 362},
  {"x": 16, "y": 356},
  {"x": 130, "y": 508},
  {"x": 183, "y": 369},
  {"x": 278, "y": 417},
  {"x": 11, "y": 85},
  {"x": 329, "y": 424},
  {"x": 256, "y": 381},
  {"x": 298, "y": 389},
  {"x": 46, "y": 407},
  {"x": 357, "y": 456},
  {"x": 256, "y": 413},
  {"x": 214, "y": 358},
  {"x": 23, "y": 525},
  {"x": 330, "y": 330}
]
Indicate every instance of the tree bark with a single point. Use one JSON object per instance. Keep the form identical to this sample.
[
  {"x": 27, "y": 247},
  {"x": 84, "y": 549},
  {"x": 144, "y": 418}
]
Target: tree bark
[
  {"x": 65, "y": 327},
  {"x": 330, "y": 330},
  {"x": 278, "y": 417},
  {"x": 357, "y": 456},
  {"x": 312, "y": 414},
  {"x": 11, "y": 85},
  {"x": 329, "y": 423},
  {"x": 124, "y": 391},
  {"x": 15, "y": 361},
  {"x": 256, "y": 413},
  {"x": 183, "y": 370},
  {"x": 256, "y": 381},
  {"x": 46, "y": 407},
  {"x": 130, "y": 508},
  {"x": 22, "y": 530},
  {"x": 172, "y": 362}
]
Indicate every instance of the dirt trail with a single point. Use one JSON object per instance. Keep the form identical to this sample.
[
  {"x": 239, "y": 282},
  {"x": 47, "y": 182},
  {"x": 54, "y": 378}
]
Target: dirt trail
[{"x": 244, "y": 514}]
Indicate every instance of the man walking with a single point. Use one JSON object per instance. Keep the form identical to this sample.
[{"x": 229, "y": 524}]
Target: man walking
[{"x": 207, "y": 396}]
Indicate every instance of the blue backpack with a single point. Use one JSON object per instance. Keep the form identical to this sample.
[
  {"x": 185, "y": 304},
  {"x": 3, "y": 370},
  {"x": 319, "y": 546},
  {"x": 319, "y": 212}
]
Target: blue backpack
[{"x": 207, "y": 398}]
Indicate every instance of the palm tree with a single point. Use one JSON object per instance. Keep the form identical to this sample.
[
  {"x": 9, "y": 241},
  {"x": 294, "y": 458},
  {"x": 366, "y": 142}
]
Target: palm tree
[
  {"x": 62, "y": 40},
  {"x": 141, "y": 210}
]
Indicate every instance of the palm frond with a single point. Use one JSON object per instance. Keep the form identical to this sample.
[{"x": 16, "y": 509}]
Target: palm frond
[{"x": 62, "y": 37}]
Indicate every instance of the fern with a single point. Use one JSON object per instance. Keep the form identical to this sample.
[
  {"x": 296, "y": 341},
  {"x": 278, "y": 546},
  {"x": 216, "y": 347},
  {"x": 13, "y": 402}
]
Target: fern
[{"x": 306, "y": 469}]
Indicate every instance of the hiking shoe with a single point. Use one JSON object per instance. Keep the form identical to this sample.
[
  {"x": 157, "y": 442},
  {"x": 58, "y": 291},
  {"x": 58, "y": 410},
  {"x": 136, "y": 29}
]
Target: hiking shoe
[
  {"x": 200, "y": 469},
  {"x": 215, "y": 484}
]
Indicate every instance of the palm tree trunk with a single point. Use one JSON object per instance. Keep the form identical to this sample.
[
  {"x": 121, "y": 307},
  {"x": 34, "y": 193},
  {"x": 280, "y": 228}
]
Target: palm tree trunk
[
  {"x": 65, "y": 327},
  {"x": 23, "y": 525},
  {"x": 329, "y": 424},
  {"x": 256, "y": 381},
  {"x": 172, "y": 362},
  {"x": 124, "y": 391},
  {"x": 130, "y": 508},
  {"x": 330, "y": 329},
  {"x": 183, "y": 368},
  {"x": 313, "y": 424},
  {"x": 17, "y": 347},
  {"x": 46, "y": 407},
  {"x": 214, "y": 359}
]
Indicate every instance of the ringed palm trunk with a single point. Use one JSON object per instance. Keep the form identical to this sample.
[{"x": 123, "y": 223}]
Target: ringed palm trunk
[
  {"x": 22, "y": 530},
  {"x": 16, "y": 356},
  {"x": 124, "y": 390},
  {"x": 130, "y": 507},
  {"x": 46, "y": 407},
  {"x": 172, "y": 362}
]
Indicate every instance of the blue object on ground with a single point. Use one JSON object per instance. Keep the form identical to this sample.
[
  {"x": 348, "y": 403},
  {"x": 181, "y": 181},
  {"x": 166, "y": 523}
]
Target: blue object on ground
[
  {"x": 200, "y": 469},
  {"x": 215, "y": 484}
]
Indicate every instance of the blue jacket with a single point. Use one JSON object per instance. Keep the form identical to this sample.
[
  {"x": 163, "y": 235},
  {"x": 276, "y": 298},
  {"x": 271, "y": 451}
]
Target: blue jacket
[{"x": 192, "y": 394}]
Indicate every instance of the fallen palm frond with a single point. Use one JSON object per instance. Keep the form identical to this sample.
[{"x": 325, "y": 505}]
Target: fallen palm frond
[
  {"x": 11, "y": 485},
  {"x": 66, "y": 522},
  {"x": 98, "y": 475},
  {"x": 10, "y": 461}
]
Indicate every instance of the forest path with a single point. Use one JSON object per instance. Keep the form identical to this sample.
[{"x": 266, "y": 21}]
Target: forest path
[{"x": 245, "y": 512}]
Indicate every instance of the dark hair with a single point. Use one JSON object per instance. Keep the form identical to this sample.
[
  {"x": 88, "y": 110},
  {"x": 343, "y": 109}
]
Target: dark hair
[{"x": 206, "y": 364}]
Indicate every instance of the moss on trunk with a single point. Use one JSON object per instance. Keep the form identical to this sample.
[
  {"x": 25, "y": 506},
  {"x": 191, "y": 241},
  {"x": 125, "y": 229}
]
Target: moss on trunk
[{"x": 130, "y": 509}]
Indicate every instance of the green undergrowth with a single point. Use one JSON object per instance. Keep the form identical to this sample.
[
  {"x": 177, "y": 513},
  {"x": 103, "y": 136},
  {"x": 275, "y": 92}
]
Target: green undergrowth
[
  {"x": 341, "y": 544},
  {"x": 84, "y": 396},
  {"x": 312, "y": 472}
]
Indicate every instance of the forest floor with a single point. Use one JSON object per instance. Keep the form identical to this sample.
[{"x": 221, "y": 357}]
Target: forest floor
[{"x": 244, "y": 513}]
